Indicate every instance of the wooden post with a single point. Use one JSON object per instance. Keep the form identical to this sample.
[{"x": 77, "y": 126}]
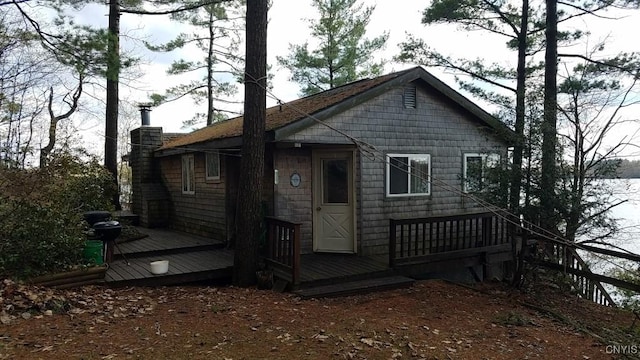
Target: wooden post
[
  {"x": 295, "y": 261},
  {"x": 401, "y": 240},
  {"x": 271, "y": 240},
  {"x": 392, "y": 243},
  {"x": 424, "y": 238},
  {"x": 486, "y": 230},
  {"x": 438, "y": 236},
  {"x": 408, "y": 240}
]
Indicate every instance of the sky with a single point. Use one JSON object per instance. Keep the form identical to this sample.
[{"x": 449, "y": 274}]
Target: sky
[{"x": 287, "y": 25}]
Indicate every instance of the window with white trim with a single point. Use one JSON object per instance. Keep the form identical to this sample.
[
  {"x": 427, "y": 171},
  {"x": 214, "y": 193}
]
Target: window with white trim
[
  {"x": 475, "y": 169},
  {"x": 408, "y": 175},
  {"x": 188, "y": 174},
  {"x": 213, "y": 166}
]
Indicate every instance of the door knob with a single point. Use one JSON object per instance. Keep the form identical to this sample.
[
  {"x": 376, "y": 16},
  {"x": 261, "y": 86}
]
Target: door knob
[{"x": 318, "y": 208}]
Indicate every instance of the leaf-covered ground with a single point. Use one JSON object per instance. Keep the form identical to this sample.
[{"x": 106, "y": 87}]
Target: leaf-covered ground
[{"x": 431, "y": 320}]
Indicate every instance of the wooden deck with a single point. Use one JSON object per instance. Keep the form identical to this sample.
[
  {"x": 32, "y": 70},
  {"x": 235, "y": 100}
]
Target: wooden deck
[
  {"x": 164, "y": 240},
  {"x": 191, "y": 259},
  {"x": 318, "y": 269},
  {"x": 194, "y": 258}
]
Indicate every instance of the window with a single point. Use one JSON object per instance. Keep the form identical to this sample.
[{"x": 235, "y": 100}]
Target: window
[
  {"x": 476, "y": 167},
  {"x": 335, "y": 181},
  {"x": 213, "y": 166},
  {"x": 409, "y": 97},
  {"x": 188, "y": 175},
  {"x": 408, "y": 174}
]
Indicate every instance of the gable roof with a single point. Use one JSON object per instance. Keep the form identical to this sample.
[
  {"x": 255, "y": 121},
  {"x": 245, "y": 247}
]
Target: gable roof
[{"x": 293, "y": 116}]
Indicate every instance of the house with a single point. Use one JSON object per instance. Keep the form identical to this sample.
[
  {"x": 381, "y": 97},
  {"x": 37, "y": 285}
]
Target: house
[{"x": 341, "y": 163}]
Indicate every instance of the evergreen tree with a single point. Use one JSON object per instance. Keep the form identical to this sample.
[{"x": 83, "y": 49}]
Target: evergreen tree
[
  {"x": 531, "y": 30},
  {"x": 217, "y": 33},
  {"x": 112, "y": 59},
  {"x": 343, "y": 53}
]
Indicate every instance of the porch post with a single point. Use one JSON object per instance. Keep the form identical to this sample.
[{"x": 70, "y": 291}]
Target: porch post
[
  {"x": 295, "y": 261},
  {"x": 392, "y": 243}
]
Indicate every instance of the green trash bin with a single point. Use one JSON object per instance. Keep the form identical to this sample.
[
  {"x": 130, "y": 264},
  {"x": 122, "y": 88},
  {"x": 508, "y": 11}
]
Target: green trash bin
[{"x": 93, "y": 252}]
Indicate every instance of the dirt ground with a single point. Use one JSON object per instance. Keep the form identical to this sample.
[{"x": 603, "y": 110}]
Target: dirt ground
[{"x": 431, "y": 320}]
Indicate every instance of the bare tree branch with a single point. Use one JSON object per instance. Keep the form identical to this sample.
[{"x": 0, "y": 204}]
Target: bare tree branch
[
  {"x": 172, "y": 11},
  {"x": 601, "y": 63},
  {"x": 55, "y": 119},
  {"x": 3, "y": 3},
  {"x": 585, "y": 11}
]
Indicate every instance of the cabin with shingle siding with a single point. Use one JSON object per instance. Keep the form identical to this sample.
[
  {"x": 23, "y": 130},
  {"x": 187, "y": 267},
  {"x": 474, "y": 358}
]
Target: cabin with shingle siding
[
  {"x": 434, "y": 127},
  {"x": 340, "y": 163}
]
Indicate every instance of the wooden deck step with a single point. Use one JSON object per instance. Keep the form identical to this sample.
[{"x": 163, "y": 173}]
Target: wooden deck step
[{"x": 356, "y": 287}]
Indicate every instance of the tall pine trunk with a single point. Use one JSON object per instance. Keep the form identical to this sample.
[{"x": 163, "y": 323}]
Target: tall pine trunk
[
  {"x": 210, "y": 65},
  {"x": 252, "y": 164},
  {"x": 111, "y": 116},
  {"x": 518, "y": 148},
  {"x": 549, "y": 131}
]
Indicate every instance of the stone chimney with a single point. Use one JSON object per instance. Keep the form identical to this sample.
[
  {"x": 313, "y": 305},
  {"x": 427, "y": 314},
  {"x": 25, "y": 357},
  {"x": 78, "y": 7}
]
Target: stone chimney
[{"x": 145, "y": 172}]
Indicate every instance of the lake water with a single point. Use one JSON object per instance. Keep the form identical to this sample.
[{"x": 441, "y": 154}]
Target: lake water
[{"x": 628, "y": 215}]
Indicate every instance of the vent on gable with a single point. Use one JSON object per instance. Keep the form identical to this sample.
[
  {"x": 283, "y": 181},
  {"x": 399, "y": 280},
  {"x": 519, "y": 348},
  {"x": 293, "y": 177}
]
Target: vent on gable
[{"x": 409, "y": 97}]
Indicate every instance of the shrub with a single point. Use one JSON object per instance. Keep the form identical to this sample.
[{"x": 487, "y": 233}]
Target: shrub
[{"x": 41, "y": 225}]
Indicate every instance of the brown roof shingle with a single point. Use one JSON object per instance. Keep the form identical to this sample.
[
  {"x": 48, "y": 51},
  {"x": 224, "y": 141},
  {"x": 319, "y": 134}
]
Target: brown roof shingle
[{"x": 281, "y": 115}]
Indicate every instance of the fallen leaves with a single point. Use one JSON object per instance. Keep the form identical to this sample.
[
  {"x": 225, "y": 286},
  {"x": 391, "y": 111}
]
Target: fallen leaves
[{"x": 203, "y": 322}]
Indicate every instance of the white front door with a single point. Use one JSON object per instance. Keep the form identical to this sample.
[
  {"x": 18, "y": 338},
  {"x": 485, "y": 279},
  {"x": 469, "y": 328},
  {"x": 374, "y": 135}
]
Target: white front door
[{"x": 333, "y": 202}]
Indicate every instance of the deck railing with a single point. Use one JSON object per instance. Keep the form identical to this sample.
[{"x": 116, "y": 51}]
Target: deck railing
[
  {"x": 564, "y": 258},
  {"x": 283, "y": 248},
  {"x": 423, "y": 236}
]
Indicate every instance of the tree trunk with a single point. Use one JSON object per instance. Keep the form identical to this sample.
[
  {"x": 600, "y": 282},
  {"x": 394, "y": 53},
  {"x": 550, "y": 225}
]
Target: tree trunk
[
  {"x": 252, "y": 163},
  {"x": 210, "y": 65},
  {"x": 518, "y": 148},
  {"x": 53, "y": 126},
  {"x": 549, "y": 131},
  {"x": 45, "y": 152},
  {"x": 111, "y": 116}
]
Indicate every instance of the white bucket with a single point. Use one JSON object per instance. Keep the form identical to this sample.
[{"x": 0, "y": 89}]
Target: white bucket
[{"x": 159, "y": 267}]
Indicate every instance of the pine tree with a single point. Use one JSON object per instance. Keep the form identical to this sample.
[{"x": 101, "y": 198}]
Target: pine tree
[
  {"x": 217, "y": 33},
  {"x": 343, "y": 53}
]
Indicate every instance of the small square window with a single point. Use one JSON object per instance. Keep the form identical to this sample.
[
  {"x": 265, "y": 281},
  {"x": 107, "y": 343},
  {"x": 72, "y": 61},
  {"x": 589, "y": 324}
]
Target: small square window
[
  {"x": 408, "y": 174},
  {"x": 475, "y": 170},
  {"x": 213, "y": 166}
]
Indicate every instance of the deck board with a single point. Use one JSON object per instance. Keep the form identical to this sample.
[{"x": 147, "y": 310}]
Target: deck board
[
  {"x": 192, "y": 266},
  {"x": 356, "y": 287},
  {"x": 318, "y": 267},
  {"x": 159, "y": 240},
  {"x": 191, "y": 258}
]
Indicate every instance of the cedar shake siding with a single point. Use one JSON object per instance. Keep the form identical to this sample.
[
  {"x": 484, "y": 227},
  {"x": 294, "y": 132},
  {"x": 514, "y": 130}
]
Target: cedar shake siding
[
  {"x": 436, "y": 126},
  {"x": 295, "y": 203},
  {"x": 211, "y": 210},
  {"x": 202, "y": 213}
]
